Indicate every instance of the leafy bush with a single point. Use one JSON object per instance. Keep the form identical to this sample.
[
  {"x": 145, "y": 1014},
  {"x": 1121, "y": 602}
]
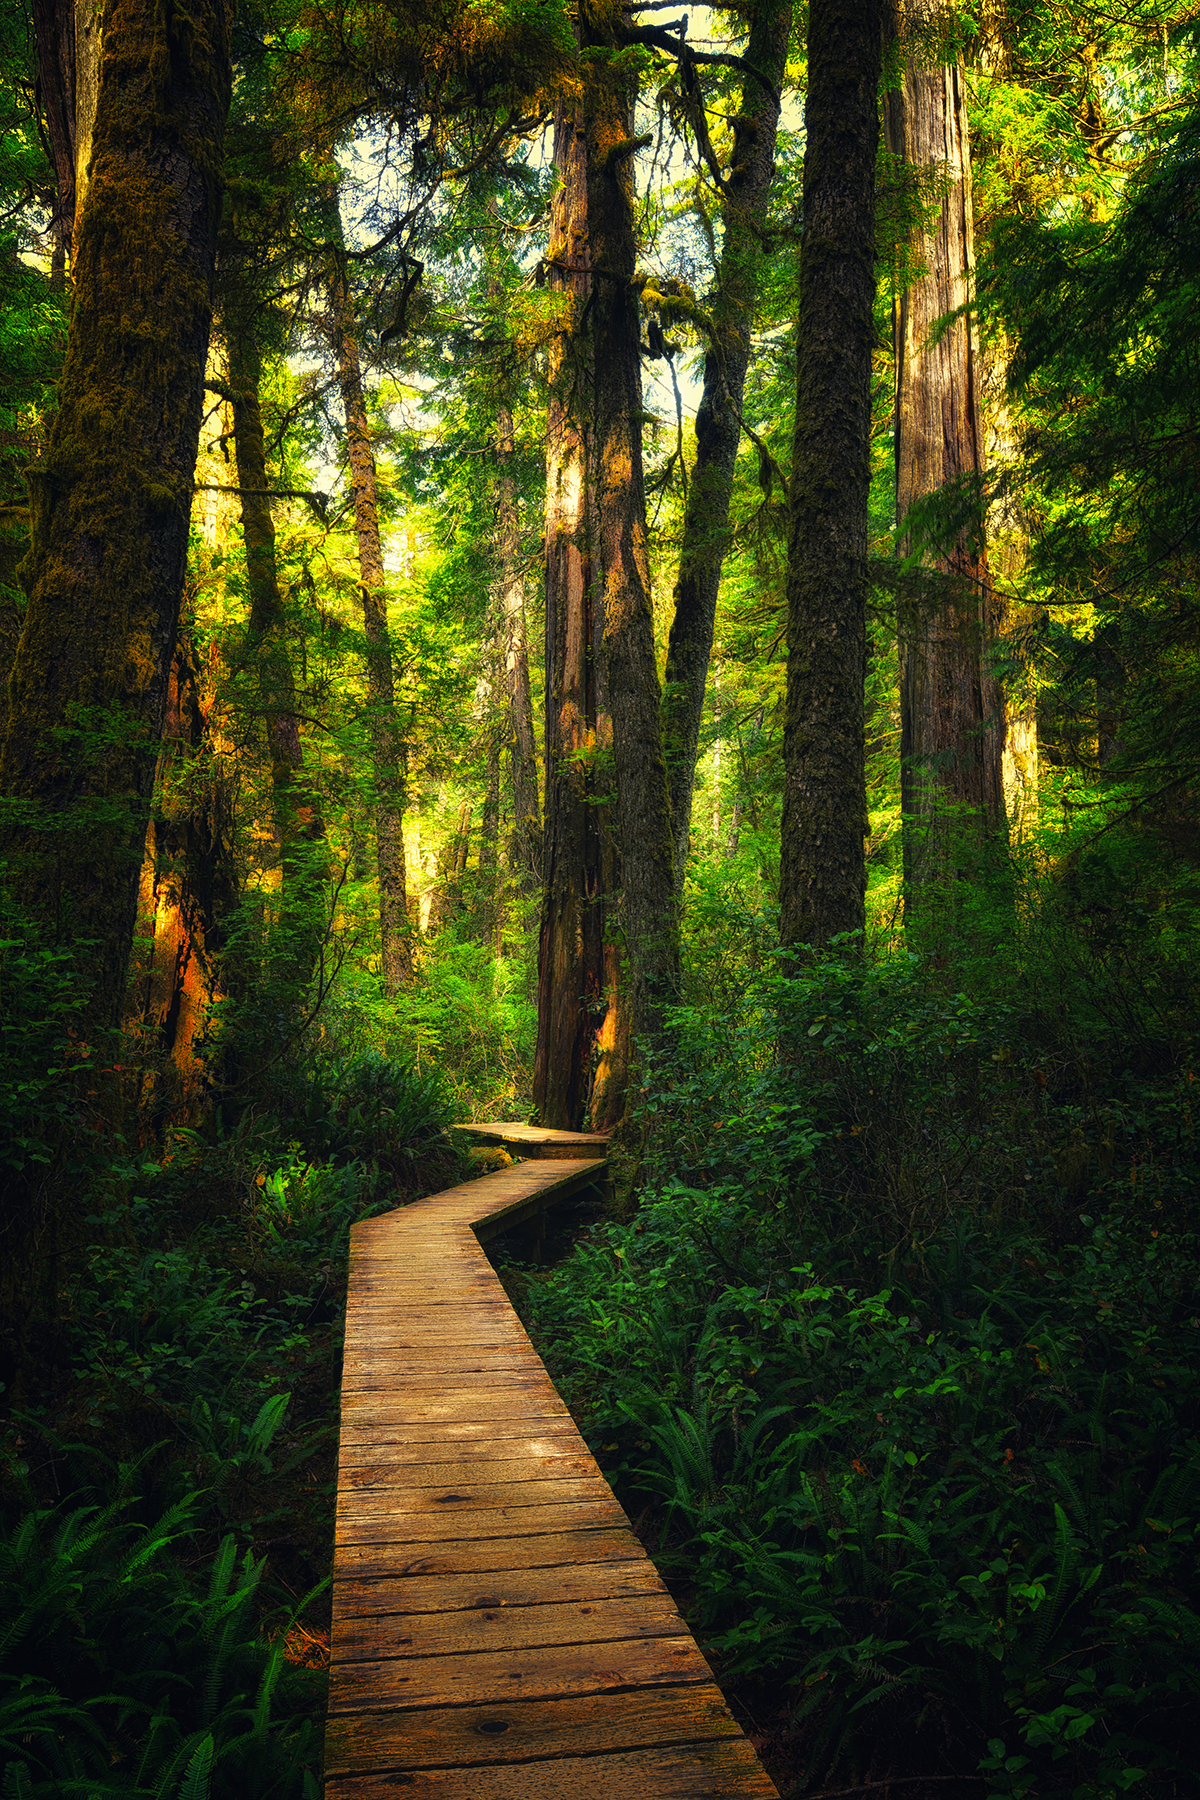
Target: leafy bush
[
  {"x": 956, "y": 1513},
  {"x": 122, "y": 1672}
]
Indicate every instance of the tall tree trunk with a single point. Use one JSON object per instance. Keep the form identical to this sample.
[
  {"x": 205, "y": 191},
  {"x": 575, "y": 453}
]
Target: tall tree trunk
[
  {"x": 299, "y": 827},
  {"x": 90, "y": 38},
  {"x": 951, "y": 706},
  {"x": 605, "y": 705},
  {"x": 112, "y": 495},
  {"x": 489, "y": 831},
  {"x": 526, "y": 847},
  {"x": 718, "y": 419},
  {"x": 388, "y": 756},
  {"x": 575, "y": 963},
  {"x": 823, "y": 863}
]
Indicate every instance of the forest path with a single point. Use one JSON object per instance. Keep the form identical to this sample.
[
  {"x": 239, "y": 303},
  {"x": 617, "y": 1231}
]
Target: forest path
[{"x": 498, "y": 1631}]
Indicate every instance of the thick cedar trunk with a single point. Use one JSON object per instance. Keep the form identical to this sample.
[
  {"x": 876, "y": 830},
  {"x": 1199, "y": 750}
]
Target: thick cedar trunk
[
  {"x": 602, "y": 694},
  {"x": 823, "y": 864},
  {"x": 525, "y": 851},
  {"x": 578, "y": 857},
  {"x": 718, "y": 419},
  {"x": 299, "y": 827},
  {"x": 951, "y": 707},
  {"x": 388, "y": 755},
  {"x": 112, "y": 495}
]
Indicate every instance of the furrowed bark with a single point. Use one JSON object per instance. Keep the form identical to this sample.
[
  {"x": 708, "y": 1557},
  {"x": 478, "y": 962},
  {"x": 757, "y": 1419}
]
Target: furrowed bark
[
  {"x": 718, "y": 419},
  {"x": 823, "y": 865},
  {"x": 388, "y": 751},
  {"x": 112, "y": 494},
  {"x": 604, "y": 738},
  {"x": 951, "y": 707},
  {"x": 575, "y": 964}
]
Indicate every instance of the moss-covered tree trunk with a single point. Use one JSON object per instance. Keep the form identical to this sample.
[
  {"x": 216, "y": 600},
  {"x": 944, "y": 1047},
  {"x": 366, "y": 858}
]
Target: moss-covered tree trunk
[
  {"x": 525, "y": 850},
  {"x": 112, "y": 495},
  {"x": 718, "y": 418},
  {"x": 823, "y": 864},
  {"x": 604, "y": 736},
  {"x": 951, "y": 706},
  {"x": 388, "y": 752}
]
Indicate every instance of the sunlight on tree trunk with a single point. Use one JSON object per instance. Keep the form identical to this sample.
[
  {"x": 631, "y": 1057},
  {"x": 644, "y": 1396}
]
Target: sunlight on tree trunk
[
  {"x": 387, "y": 746},
  {"x": 111, "y": 496},
  {"x": 605, "y": 771},
  {"x": 951, "y": 704}
]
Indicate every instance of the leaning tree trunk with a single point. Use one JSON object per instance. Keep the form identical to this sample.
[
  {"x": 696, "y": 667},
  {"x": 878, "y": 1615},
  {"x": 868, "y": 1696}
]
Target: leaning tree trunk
[
  {"x": 299, "y": 827},
  {"x": 112, "y": 495},
  {"x": 597, "y": 598},
  {"x": 951, "y": 706},
  {"x": 823, "y": 864},
  {"x": 388, "y": 752},
  {"x": 718, "y": 419}
]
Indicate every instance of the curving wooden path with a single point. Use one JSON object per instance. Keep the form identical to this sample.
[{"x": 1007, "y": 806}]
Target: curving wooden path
[{"x": 498, "y": 1631}]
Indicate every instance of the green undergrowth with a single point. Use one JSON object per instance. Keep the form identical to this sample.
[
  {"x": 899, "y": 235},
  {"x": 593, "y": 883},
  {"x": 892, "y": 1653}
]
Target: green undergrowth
[
  {"x": 897, "y": 1366},
  {"x": 168, "y": 1462}
]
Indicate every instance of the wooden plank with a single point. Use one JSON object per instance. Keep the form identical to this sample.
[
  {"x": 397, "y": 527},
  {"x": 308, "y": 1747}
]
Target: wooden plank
[
  {"x": 540, "y": 1466},
  {"x": 726, "y": 1769},
  {"x": 448, "y": 1593},
  {"x": 523, "y": 1731},
  {"x": 469, "y": 1499},
  {"x": 554, "y": 1440},
  {"x": 505, "y": 1628},
  {"x": 482, "y": 1522},
  {"x": 499, "y": 1633},
  {"x": 488, "y": 1677},
  {"x": 488, "y": 1556}
]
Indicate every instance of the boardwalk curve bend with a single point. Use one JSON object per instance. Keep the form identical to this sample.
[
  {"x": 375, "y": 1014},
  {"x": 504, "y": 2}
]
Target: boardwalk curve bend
[{"x": 498, "y": 1631}]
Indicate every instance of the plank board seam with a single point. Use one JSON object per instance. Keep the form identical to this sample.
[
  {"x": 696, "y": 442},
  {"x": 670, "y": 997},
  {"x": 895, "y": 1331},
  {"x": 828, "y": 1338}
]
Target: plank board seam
[{"x": 460, "y": 1398}]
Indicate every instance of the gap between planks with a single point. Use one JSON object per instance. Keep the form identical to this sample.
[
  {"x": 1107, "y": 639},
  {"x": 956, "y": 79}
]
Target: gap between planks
[{"x": 499, "y": 1632}]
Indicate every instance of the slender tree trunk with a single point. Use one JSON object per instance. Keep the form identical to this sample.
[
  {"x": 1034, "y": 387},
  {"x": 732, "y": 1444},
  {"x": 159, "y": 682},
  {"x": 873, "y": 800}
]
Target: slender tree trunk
[
  {"x": 387, "y": 746},
  {"x": 823, "y": 864},
  {"x": 526, "y": 846},
  {"x": 90, "y": 36},
  {"x": 54, "y": 30},
  {"x": 951, "y": 706},
  {"x": 112, "y": 495},
  {"x": 601, "y": 680},
  {"x": 299, "y": 827},
  {"x": 718, "y": 419},
  {"x": 489, "y": 831}
]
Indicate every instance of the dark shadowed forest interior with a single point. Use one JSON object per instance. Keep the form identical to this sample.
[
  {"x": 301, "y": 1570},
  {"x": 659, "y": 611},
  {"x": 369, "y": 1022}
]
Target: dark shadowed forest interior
[{"x": 634, "y": 568}]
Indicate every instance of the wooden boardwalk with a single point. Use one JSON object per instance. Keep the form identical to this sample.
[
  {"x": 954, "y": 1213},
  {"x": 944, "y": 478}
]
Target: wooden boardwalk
[{"x": 498, "y": 1631}]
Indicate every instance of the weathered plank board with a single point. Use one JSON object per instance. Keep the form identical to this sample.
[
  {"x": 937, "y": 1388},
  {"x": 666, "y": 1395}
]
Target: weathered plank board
[{"x": 499, "y": 1633}]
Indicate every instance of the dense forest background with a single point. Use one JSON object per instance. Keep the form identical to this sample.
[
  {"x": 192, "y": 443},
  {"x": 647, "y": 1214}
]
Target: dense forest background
[{"x": 570, "y": 586}]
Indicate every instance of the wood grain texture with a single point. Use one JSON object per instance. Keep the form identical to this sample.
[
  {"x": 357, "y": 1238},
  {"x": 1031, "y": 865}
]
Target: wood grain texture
[
  {"x": 499, "y": 1632},
  {"x": 580, "y": 1725},
  {"x": 726, "y": 1768}
]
